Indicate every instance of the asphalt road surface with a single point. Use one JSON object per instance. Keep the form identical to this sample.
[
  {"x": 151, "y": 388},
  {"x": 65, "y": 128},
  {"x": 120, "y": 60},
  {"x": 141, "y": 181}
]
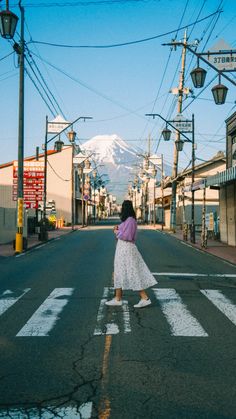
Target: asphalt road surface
[{"x": 64, "y": 354}]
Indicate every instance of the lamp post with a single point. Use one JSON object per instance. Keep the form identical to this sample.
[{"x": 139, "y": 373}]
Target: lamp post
[
  {"x": 8, "y": 22},
  {"x": 81, "y": 175},
  {"x": 224, "y": 59},
  {"x": 179, "y": 145},
  {"x": 71, "y": 136},
  {"x": 94, "y": 201},
  {"x": 58, "y": 146}
]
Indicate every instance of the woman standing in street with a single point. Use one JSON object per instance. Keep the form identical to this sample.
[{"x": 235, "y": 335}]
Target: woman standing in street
[{"x": 130, "y": 270}]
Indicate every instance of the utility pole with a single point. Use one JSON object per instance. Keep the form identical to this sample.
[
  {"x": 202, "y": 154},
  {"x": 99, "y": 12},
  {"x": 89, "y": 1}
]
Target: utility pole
[{"x": 181, "y": 92}]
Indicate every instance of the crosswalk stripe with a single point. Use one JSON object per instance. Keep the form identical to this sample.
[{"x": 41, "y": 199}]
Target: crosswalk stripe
[
  {"x": 184, "y": 274},
  {"x": 111, "y": 328},
  {"x": 100, "y": 315},
  {"x": 84, "y": 412},
  {"x": 181, "y": 322},
  {"x": 222, "y": 303},
  {"x": 44, "y": 319},
  {"x": 126, "y": 317},
  {"x": 7, "y": 300}
]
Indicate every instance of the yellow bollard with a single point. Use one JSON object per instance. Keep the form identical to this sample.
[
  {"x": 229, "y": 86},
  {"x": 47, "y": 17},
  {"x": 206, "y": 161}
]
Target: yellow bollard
[{"x": 19, "y": 243}]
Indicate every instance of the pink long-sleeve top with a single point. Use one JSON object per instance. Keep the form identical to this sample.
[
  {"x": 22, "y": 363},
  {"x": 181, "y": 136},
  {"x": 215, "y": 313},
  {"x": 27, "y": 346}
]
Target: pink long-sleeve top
[{"x": 127, "y": 230}]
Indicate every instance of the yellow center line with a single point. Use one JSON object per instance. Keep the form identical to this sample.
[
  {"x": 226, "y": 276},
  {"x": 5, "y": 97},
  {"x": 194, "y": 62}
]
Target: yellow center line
[{"x": 104, "y": 409}]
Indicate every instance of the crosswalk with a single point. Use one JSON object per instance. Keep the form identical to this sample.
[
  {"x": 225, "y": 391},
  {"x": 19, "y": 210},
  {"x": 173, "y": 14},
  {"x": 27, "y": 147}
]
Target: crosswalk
[
  {"x": 83, "y": 412},
  {"x": 181, "y": 321},
  {"x": 176, "y": 310}
]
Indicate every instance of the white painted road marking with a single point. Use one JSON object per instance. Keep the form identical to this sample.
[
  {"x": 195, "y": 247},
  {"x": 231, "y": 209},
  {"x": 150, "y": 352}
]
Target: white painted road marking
[
  {"x": 84, "y": 412},
  {"x": 193, "y": 274},
  {"x": 7, "y": 302},
  {"x": 44, "y": 319},
  {"x": 111, "y": 328},
  {"x": 222, "y": 303},
  {"x": 100, "y": 315},
  {"x": 181, "y": 322}
]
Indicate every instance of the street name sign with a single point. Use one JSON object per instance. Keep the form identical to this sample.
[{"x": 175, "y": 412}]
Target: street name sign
[
  {"x": 182, "y": 124},
  {"x": 156, "y": 160},
  {"x": 222, "y": 56},
  {"x": 57, "y": 125}
]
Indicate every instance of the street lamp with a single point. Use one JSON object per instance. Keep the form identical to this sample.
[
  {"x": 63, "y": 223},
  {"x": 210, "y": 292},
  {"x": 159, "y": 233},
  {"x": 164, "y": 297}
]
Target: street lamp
[
  {"x": 8, "y": 22},
  {"x": 166, "y": 134},
  {"x": 179, "y": 145},
  {"x": 71, "y": 136},
  {"x": 58, "y": 146},
  {"x": 219, "y": 93},
  {"x": 198, "y": 74}
]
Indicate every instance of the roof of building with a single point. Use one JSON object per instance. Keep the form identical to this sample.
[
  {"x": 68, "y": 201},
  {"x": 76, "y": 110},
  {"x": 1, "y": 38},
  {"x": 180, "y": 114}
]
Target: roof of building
[
  {"x": 31, "y": 158},
  {"x": 219, "y": 157}
]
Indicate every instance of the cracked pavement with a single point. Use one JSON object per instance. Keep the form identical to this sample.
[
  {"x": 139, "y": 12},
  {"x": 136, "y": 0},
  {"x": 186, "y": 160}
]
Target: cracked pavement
[{"x": 143, "y": 373}]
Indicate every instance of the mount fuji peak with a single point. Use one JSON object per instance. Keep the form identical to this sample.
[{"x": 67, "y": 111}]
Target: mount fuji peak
[
  {"x": 118, "y": 159},
  {"x": 111, "y": 149}
]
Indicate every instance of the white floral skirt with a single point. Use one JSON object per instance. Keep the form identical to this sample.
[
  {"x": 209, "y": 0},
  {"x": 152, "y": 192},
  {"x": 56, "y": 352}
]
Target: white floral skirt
[{"x": 130, "y": 270}]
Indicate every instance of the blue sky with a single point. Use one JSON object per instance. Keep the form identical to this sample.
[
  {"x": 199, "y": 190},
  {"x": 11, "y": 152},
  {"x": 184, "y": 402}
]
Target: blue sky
[{"x": 116, "y": 86}]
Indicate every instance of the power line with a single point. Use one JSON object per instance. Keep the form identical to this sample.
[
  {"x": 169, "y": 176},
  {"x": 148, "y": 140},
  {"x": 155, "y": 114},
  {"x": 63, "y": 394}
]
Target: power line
[
  {"x": 27, "y": 27},
  {"x": 44, "y": 85},
  {"x": 6, "y": 56},
  {"x": 41, "y": 85},
  {"x": 151, "y": 38},
  {"x": 85, "y": 85},
  {"x": 35, "y": 85},
  {"x": 84, "y": 3}
]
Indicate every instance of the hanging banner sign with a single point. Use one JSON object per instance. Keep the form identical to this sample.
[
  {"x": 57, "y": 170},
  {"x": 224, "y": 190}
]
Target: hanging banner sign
[
  {"x": 182, "y": 124},
  {"x": 156, "y": 160},
  {"x": 221, "y": 56},
  {"x": 223, "y": 62},
  {"x": 57, "y": 125}
]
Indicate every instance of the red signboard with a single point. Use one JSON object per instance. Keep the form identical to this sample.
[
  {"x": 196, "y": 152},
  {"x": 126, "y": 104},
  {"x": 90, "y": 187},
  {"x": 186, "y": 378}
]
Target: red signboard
[{"x": 33, "y": 181}]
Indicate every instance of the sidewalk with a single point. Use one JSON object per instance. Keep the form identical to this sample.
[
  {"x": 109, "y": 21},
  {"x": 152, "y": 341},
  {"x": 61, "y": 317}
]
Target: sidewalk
[
  {"x": 7, "y": 250},
  {"x": 214, "y": 247}
]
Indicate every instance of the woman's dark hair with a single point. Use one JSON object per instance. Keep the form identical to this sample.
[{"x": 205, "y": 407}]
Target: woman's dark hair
[{"x": 127, "y": 210}]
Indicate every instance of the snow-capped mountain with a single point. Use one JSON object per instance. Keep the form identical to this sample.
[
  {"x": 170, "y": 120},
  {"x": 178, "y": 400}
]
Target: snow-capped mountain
[
  {"x": 118, "y": 158},
  {"x": 120, "y": 161},
  {"x": 110, "y": 149}
]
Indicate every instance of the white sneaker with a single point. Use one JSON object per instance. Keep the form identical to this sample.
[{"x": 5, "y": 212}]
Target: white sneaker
[
  {"x": 114, "y": 302},
  {"x": 143, "y": 303}
]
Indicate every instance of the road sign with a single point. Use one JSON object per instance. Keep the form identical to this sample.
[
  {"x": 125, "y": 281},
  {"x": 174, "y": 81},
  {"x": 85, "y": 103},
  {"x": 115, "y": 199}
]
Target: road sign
[
  {"x": 86, "y": 197},
  {"x": 156, "y": 160},
  {"x": 182, "y": 124},
  {"x": 57, "y": 125},
  {"x": 222, "y": 56},
  {"x": 33, "y": 182}
]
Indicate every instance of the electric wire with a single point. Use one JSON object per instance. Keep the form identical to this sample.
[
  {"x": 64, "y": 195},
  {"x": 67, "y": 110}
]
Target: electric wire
[
  {"x": 151, "y": 38},
  {"x": 43, "y": 88},
  {"x": 85, "y": 85},
  {"x": 84, "y": 3},
  {"x": 64, "y": 180},
  {"x": 35, "y": 85},
  {"x": 6, "y": 56},
  {"x": 27, "y": 27}
]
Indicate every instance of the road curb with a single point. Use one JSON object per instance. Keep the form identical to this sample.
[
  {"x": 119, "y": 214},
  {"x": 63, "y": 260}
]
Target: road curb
[
  {"x": 196, "y": 247},
  {"x": 34, "y": 246}
]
